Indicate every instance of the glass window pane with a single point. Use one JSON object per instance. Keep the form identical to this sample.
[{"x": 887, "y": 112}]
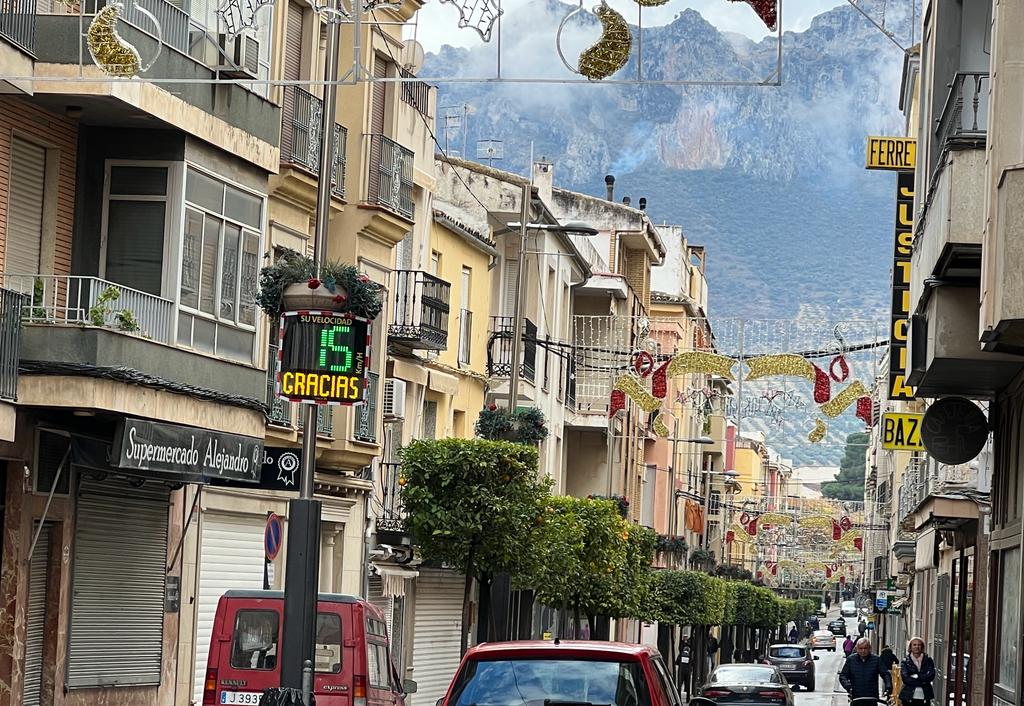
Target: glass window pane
[
  {"x": 211, "y": 256},
  {"x": 235, "y": 343},
  {"x": 229, "y": 272},
  {"x": 204, "y": 335},
  {"x": 191, "y": 257},
  {"x": 328, "y": 642},
  {"x": 1008, "y": 611},
  {"x": 138, "y": 181},
  {"x": 255, "y": 641},
  {"x": 243, "y": 206},
  {"x": 204, "y": 191},
  {"x": 250, "y": 273},
  {"x": 135, "y": 244},
  {"x": 377, "y": 660}
]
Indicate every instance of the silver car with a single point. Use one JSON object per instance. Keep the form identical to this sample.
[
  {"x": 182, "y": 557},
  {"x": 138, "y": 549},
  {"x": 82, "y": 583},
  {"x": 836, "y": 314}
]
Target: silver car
[{"x": 747, "y": 685}]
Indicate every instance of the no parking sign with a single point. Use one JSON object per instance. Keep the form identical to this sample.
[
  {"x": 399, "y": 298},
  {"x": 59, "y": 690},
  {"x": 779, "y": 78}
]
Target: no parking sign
[{"x": 272, "y": 536}]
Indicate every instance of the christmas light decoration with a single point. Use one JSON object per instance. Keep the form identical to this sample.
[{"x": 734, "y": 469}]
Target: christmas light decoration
[
  {"x": 700, "y": 362},
  {"x": 822, "y": 386},
  {"x": 775, "y": 518},
  {"x": 611, "y": 52},
  {"x": 783, "y": 364},
  {"x": 659, "y": 381},
  {"x": 838, "y": 404},
  {"x": 846, "y": 523},
  {"x": 844, "y": 368},
  {"x": 659, "y": 426},
  {"x": 636, "y": 392},
  {"x": 816, "y": 521},
  {"x": 643, "y": 363},
  {"x": 112, "y": 54},
  {"x": 239, "y": 15},
  {"x": 480, "y": 15},
  {"x": 818, "y": 433},
  {"x": 866, "y": 410},
  {"x": 617, "y": 403},
  {"x": 767, "y": 10}
]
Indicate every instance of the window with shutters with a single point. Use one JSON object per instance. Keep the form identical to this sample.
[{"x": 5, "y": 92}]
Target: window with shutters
[
  {"x": 220, "y": 260},
  {"x": 135, "y": 224},
  {"x": 25, "y": 207}
]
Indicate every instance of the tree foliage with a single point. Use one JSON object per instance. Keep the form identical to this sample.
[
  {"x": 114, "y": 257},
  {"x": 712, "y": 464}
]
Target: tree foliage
[
  {"x": 755, "y": 606},
  {"x": 472, "y": 503},
  {"x": 849, "y": 483},
  {"x": 687, "y": 598}
]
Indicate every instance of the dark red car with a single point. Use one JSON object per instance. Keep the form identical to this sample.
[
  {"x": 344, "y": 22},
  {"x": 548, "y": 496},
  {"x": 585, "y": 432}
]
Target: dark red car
[{"x": 567, "y": 673}]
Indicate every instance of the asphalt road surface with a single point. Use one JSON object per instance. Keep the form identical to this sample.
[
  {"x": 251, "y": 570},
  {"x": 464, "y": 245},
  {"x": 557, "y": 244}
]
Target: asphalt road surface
[{"x": 827, "y": 691}]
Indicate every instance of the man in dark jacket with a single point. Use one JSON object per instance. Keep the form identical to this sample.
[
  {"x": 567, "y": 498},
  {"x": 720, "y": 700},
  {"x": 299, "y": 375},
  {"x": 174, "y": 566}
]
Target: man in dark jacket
[
  {"x": 862, "y": 671},
  {"x": 888, "y": 658},
  {"x": 684, "y": 661}
]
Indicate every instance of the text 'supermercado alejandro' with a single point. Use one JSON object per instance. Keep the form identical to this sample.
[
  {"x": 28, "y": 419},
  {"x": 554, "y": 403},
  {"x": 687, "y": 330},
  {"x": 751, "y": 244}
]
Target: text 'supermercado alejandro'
[{"x": 323, "y": 357}]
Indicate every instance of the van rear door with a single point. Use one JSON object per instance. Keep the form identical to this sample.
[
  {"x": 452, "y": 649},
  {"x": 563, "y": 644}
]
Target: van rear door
[
  {"x": 334, "y": 660},
  {"x": 244, "y": 651}
]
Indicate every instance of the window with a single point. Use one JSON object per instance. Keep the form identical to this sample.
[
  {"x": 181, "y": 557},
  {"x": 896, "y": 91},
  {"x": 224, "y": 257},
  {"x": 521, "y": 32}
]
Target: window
[
  {"x": 133, "y": 239},
  {"x": 378, "y": 665},
  {"x": 522, "y": 681},
  {"x": 792, "y": 652},
  {"x": 465, "y": 316},
  {"x": 745, "y": 674},
  {"x": 327, "y": 655},
  {"x": 1008, "y": 610},
  {"x": 254, "y": 644},
  {"x": 219, "y": 267}
]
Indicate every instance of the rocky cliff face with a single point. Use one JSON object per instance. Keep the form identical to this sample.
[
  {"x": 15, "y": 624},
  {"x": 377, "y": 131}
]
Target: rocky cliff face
[{"x": 770, "y": 179}]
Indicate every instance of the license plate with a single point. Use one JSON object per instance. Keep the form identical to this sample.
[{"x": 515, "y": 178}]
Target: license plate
[{"x": 251, "y": 698}]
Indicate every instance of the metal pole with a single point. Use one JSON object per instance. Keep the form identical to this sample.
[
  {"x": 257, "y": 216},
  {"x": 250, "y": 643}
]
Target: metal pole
[
  {"x": 302, "y": 569},
  {"x": 609, "y": 456},
  {"x": 517, "y": 317},
  {"x": 707, "y": 503},
  {"x": 673, "y": 510}
]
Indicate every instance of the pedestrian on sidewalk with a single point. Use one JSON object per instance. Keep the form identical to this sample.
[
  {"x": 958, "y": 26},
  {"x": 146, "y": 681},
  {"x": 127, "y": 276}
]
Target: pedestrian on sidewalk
[
  {"x": 848, "y": 645},
  {"x": 712, "y": 649},
  {"x": 794, "y": 635},
  {"x": 862, "y": 627},
  {"x": 684, "y": 662},
  {"x": 888, "y": 658},
  {"x": 861, "y": 673},
  {"x": 918, "y": 672}
]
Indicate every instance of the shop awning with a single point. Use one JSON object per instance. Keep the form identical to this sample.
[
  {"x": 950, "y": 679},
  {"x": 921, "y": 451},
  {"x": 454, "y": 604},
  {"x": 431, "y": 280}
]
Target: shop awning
[
  {"x": 393, "y": 578},
  {"x": 443, "y": 382}
]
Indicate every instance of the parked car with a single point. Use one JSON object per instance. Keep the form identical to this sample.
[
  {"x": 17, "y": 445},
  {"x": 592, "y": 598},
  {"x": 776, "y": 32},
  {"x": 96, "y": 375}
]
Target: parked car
[
  {"x": 531, "y": 673},
  {"x": 796, "y": 662},
  {"x": 244, "y": 658},
  {"x": 822, "y": 610},
  {"x": 848, "y": 609},
  {"x": 838, "y": 627},
  {"x": 748, "y": 684},
  {"x": 823, "y": 640}
]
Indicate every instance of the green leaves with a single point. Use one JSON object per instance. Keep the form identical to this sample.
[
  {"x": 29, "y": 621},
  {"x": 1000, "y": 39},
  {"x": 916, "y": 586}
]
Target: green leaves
[
  {"x": 687, "y": 598},
  {"x": 527, "y": 425},
  {"x": 849, "y": 483}
]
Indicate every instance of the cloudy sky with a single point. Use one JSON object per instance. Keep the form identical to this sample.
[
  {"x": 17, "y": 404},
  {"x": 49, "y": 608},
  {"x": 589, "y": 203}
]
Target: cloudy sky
[{"x": 438, "y": 21}]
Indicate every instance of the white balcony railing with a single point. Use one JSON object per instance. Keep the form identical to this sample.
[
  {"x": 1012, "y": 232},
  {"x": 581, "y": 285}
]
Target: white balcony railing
[{"x": 73, "y": 300}]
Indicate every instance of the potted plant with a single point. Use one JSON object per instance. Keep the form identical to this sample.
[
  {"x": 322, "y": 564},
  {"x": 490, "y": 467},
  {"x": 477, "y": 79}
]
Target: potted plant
[
  {"x": 292, "y": 283},
  {"x": 524, "y": 426}
]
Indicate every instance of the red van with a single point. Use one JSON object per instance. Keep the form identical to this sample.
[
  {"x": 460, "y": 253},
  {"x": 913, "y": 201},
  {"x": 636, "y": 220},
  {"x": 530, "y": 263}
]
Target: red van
[{"x": 352, "y": 663}]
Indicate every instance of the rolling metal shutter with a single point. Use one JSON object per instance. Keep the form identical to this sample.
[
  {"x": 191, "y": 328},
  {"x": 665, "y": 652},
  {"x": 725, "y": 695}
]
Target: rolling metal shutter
[
  {"x": 25, "y": 208},
  {"x": 435, "y": 647},
  {"x": 293, "y": 42},
  {"x": 117, "y": 604},
  {"x": 231, "y": 556},
  {"x": 35, "y": 622}
]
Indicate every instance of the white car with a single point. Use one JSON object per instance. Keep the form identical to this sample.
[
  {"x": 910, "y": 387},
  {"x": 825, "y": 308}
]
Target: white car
[
  {"x": 822, "y": 611},
  {"x": 848, "y": 609},
  {"x": 823, "y": 640}
]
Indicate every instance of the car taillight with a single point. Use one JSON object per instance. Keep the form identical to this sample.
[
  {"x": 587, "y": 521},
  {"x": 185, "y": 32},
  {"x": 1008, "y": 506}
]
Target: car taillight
[
  {"x": 808, "y": 663},
  {"x": 359, "y": 690},
  {"x": 714, "y": 693},
  {"x": 773, "y": 694},
  {"x": 210, "y": 687}
]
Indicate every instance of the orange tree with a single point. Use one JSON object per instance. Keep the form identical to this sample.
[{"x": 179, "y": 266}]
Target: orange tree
[{"x": 472, "y": 503}]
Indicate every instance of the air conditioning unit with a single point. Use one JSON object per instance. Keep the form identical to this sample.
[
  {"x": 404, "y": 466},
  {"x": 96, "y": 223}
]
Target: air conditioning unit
[
  {"x": 394, "y": 399},
  {"x": 239, "y": 56}
]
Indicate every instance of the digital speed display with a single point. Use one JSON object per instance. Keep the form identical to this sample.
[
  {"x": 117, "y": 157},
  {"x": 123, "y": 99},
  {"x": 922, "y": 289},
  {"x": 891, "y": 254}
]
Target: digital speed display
[{"x": 323, "y": 357}]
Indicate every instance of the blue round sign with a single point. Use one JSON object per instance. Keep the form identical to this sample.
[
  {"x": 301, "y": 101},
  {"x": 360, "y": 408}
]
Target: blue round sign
[{"x": 272, "y": 536}]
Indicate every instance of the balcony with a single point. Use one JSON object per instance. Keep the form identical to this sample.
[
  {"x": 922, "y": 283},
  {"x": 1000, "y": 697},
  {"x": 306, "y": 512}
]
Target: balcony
[
  {"x": 420, "y": 316},
  {"x": 18, "y": 24},
  {"x": 389, "y": 182},
  {"x": 391, "y": 526},
  {"x": 499, "y": 349},
  {"x": 301, "y": 122},
  {"x": 11, "y": 304},
  {"x": 366, "y": 417},
  {"x": 938, "y": 495}
]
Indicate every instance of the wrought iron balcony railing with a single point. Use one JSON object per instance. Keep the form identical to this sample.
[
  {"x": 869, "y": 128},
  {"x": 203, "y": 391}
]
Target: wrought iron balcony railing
[
  {"x": 301, "y": 123},
  {"x": 18, "y": 23},
  {"x": 11, "y": 304},
  {"x": 389, "y": 182},
  {"x": 965, "y": 114},
  {"x": 499, "y": 348},
  {"x": 366, "y": 415},
  {"x": 172, "y": 18},
  {"x": 420, "y": 319}
]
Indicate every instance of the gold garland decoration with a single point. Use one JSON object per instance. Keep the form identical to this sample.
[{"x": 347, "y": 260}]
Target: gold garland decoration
[
  {"x": 111, "y": 53},
  {"x": 740, "y": 533},
  {"x": 660, "y": 428},
  {"x": 848, "y": 540},
  {"x": 838, "y": 404},
  {"x": 782, "y": 364},
  {"x": 650, "y": 3},
  {"x": 636, "y": 392},
  {"x": 611, "y": 52},
  {"x": 816, "y": 566},
  {"x": 700, "y": 362},
  {"x": 789, "y": 565},
  {"x": 774, "y": 518},
  {"x": 816, "y": 521},
  {"x": 818, "y": 432}
]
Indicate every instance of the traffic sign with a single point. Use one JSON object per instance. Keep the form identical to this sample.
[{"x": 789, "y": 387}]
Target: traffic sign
[
  {"x": 272, "y": 536},
  {"x": 323, "y": 357},
  {"x": 881, "y": 600}
]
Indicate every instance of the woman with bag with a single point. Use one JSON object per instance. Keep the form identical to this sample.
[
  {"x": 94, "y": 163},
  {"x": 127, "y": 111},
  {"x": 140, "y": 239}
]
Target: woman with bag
[
  {"x": 848, "y": 646},
  {"x": 918, "y": 672}
]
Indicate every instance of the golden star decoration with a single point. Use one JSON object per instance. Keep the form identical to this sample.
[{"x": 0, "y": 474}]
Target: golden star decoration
[{"x": 111, "y": 53}]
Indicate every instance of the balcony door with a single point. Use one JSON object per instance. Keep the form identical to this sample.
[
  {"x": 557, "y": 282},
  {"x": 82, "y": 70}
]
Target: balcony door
[{"x": 135, "y": 224}]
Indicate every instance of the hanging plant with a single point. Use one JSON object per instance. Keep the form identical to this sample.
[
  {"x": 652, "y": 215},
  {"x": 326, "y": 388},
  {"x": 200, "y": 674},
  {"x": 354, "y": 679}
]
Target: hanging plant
[
  {"x": 619, "y": 500},
  {"x": 524, "y": 426},
  {"x": 345, "y": 287},
  {"x": 702, "y": 558},
  {"x": 672, "y": 545}
]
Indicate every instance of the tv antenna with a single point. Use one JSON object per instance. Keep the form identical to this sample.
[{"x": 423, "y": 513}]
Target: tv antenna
[{"x": 490, "y": 150}]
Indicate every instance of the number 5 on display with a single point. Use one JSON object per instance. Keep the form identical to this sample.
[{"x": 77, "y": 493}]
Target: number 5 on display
[{"x": 328, "y": 345}]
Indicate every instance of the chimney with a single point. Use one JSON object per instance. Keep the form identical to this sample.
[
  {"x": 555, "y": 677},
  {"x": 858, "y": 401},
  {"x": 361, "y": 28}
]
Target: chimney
[
  {"x": 543, "y": 178},
  {"x": 643, "y": 203},
  {"x": 625, "y": 200},
  {"x": 609, "y": 185}
]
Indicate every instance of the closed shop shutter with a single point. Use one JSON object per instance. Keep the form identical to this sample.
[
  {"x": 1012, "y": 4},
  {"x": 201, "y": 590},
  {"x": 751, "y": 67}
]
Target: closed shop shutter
[
  {"x": 385, "y": 603},
  {"x": 25, "y": 208},
  {"x": 231, "y": 557},
  {"x": 35, "y": 620},
  {"x": 435, "y": 647},
  {"x": 117, "y": 602}
]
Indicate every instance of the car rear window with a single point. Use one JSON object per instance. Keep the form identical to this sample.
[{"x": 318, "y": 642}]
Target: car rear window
[
  {"x": 255, "y": 641},
  {"x": 745, "y": 674},
  {"x": 550, "y": 681},
  {"x": 328, "y": 643},
  {"x": 786, "y": 652}
]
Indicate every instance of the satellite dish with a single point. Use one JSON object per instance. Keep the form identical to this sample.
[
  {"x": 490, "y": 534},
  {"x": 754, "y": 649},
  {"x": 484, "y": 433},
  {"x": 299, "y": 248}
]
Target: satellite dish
[{"x": 412, "y": 55}]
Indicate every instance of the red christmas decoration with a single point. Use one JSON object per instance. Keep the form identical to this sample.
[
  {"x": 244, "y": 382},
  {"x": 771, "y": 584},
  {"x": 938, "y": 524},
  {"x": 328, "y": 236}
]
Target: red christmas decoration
[
  {"x": 844, "y": 369},
  {"x": 730, "y": 537},
  {"x": 313, "y": 283},
  {"x": 767, "y": 10},
  {"x": 744, "y": 518},
  {"x": 643, "y": 363},
  {"x": 822, "y": 386},
  {"x": 858, "y": 543},
  {"x": 618, "y": 402},
  {"x": 659, "y": 381},
  {"x": 760, "y": 574},
  {"x": 752, "y": 527},
  {"x": 842, "y": 580},
  {"x": 846, "y": 523},
  {"x": 828, "y": 572},
  {"x": 865, "y": 410},
  {"x": 837, "y": 531}
]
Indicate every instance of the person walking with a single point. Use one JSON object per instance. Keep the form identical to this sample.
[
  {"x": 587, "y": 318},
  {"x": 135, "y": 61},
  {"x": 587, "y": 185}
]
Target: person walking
[
  {"x": 828, "y": 601},
  {"x": 848, "y": 645},
  {"x": 794, "y": 635},
  {"x": 888, "y": 658},
  {"x": 712, "y": 649},
  {"x": 684, "y": 662},
  {"x": 861, "y": 673},
  {"x": 918, "y": 672},
  {"x": 862, "y": 627}
]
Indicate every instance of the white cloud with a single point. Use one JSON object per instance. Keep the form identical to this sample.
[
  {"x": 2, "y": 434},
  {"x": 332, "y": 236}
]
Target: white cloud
[{"x": 438, "y": 21}]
